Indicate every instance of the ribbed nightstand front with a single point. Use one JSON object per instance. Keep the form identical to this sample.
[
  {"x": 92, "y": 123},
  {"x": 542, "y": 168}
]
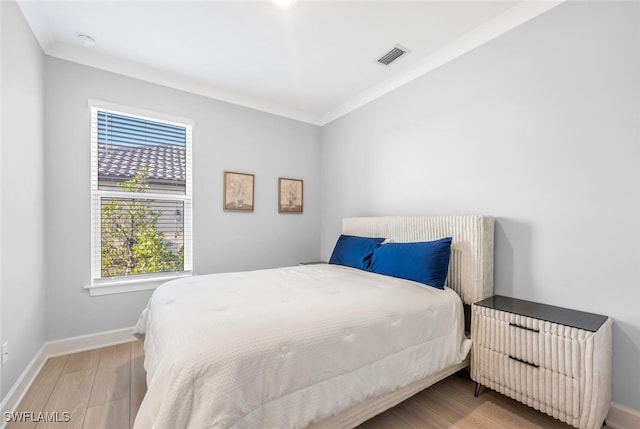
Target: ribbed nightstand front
[{"x": 553, "y": 359}]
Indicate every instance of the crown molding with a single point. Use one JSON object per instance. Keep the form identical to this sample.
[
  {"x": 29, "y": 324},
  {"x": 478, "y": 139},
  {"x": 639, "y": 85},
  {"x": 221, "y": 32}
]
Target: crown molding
[
  {"x": 511, "y": 18},
  {"x": 150, "y": 74}
]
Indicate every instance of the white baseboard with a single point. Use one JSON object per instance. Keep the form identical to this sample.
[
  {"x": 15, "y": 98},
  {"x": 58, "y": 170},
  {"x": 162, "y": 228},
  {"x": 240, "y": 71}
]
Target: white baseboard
[
  {"x": 621, "y": 417},
  {"x": 88, "y": 342},
  {"x": 58, "y": 348},
  {"x": 20, "y": 387}
]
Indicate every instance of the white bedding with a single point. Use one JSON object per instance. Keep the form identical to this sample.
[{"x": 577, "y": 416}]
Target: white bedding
[{"x": 288, "y": 347}]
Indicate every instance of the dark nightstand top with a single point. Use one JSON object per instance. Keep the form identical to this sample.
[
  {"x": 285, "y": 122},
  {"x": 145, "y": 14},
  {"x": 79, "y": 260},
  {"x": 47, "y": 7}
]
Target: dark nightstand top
[{"x": 550, "y": 313}]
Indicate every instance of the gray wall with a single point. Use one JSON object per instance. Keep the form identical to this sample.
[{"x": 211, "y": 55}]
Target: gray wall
[
  {"x": 21, "y": 193},
  {"x": 539, "y": 127},
  {"x": 225, "y": 137}
]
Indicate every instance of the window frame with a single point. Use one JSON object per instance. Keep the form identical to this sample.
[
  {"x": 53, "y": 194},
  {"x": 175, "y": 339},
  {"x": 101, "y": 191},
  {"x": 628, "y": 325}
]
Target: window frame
[{"x": 119, "y": 284}]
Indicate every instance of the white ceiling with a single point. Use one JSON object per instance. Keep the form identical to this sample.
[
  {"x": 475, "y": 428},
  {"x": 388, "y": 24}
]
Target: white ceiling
[{"x": 313, "y": 61}]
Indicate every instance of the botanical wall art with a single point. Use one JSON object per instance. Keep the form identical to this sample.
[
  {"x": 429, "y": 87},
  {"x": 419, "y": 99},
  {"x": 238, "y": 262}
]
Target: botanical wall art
[
  {"x": 238, "y": 191},
  {"x": 289, "y": 195}
]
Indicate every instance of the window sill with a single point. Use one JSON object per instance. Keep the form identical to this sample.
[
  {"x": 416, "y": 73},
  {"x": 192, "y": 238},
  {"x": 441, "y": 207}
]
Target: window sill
[{"x": 124, "y": 285}]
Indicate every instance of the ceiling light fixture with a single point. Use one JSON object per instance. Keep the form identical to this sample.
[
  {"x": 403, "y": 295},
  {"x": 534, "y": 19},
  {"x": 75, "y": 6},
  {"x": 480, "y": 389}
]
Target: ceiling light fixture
[
  {"x": 86, "y": 40},
  {"x": 284, "y": 3}
]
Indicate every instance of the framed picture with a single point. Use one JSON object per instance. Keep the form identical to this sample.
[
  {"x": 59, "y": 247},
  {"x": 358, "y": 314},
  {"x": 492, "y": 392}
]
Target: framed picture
[
  {"x": 289, "y": 195},
  {"x": 238, "y": 191}
]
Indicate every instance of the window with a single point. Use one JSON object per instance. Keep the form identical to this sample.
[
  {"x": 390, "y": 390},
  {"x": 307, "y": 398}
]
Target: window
[{"x": 140, "y": 199}]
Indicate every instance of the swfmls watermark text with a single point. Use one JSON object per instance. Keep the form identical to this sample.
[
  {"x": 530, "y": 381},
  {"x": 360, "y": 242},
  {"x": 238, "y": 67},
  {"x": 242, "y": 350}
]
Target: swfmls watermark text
[{"x": 42, "y": 416}]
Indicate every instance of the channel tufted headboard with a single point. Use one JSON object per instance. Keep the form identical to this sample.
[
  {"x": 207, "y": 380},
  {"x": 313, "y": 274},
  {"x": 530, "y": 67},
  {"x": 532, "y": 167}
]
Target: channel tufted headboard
[{"x": 471, "y": 263}]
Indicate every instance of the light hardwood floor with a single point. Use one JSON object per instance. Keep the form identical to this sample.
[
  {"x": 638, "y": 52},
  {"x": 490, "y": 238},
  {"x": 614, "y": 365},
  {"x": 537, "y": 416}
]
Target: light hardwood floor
[
  {"x": 100, "y": 388},
  {"x": 103, "y": 389}
]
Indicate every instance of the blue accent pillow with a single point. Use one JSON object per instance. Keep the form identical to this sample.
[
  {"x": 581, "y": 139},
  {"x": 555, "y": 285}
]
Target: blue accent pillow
[
  {"x": 425, "y": 262},
  {"x": 353, "y": 251}
]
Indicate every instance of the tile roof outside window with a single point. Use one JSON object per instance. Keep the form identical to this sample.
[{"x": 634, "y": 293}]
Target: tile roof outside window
[{"x": 164, "y": 163}]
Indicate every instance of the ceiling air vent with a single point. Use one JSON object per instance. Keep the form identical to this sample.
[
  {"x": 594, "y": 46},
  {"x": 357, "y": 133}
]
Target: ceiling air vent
[{"x": 395, "y": 53}]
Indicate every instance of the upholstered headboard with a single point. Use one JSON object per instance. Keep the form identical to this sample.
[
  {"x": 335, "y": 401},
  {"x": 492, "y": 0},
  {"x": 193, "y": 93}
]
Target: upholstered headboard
[{"x": 471, "y": 263}]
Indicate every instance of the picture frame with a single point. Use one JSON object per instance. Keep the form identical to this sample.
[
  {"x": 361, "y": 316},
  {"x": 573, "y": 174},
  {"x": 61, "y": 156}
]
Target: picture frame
[
  {"x": 238, "y": 191},
  {"x": 290, "y": 195}
]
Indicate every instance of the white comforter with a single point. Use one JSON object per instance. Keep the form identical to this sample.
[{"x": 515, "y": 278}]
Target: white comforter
[{"x": 288, "y": 347}]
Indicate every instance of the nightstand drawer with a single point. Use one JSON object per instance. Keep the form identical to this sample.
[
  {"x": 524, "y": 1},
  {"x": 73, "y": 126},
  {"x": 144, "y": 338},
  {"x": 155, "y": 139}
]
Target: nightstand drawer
[
  {"x": 553, "y": 359},
  {"x": 555, "y": 347},
  {"x": 536, "y": 386}
]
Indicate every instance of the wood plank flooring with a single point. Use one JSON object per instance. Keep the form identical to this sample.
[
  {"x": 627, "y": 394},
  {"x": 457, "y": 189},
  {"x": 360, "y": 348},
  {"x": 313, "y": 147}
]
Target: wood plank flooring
[
  {"x": 451, "y": 404},
  {"x": 103, "y": 389},
  {"x": 100, "y": 389}
]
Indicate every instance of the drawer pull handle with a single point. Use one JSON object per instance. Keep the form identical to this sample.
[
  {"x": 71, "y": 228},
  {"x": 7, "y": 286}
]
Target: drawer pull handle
[
  {"x": 524, "y": 362},
  {"x": 515, "y": 325}
]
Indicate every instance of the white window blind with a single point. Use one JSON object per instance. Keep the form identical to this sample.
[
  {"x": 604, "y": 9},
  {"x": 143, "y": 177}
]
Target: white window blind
[{"x": 141, "y": 197}]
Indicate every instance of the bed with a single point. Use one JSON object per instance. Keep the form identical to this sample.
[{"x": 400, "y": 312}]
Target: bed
[{"x": 312, "y": 345}]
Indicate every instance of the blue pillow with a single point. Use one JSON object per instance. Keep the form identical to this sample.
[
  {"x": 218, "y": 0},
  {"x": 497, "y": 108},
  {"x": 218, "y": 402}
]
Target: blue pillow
[
  {"x": 425, "y": 262},
  {"x": 353, "y": 251}
]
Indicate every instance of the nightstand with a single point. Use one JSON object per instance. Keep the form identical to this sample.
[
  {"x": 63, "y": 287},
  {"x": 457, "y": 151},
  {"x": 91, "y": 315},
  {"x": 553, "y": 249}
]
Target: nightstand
[
  {"x": 312, "y": 263},
  {"x": 553, "y": 359}
]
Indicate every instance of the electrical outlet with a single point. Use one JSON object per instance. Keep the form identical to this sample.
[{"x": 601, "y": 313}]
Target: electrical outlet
[{"x": 5, "y": 353}]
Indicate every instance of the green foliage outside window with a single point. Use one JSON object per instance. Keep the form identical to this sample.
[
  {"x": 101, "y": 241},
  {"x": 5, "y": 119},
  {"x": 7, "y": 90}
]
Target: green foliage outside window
[{"x": 131, "y": 240}]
